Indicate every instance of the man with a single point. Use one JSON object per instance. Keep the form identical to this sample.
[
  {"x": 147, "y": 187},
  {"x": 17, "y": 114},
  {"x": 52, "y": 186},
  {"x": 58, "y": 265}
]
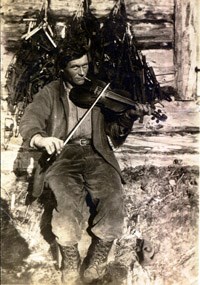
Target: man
[{"x": 85, "y": 168}]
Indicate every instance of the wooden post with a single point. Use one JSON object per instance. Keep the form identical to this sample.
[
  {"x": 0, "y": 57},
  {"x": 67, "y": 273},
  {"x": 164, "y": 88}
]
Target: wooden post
[
  {"x": 198, "y": 50},
  {"x": 186, "y": 47}
]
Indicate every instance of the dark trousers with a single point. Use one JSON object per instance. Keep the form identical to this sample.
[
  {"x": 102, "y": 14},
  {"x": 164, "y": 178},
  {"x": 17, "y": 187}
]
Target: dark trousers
[{"x": 79, "y": 172}]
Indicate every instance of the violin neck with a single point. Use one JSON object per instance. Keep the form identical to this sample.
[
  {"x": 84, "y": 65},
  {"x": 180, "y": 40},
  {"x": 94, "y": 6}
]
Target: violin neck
[{"x": 114, "y": 96}]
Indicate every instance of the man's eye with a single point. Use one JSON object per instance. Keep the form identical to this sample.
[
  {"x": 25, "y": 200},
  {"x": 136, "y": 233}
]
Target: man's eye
[{"x": 82, "y": 66}]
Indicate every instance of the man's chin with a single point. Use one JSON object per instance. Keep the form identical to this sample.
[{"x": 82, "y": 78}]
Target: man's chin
[{"x": 80, "y": 81}]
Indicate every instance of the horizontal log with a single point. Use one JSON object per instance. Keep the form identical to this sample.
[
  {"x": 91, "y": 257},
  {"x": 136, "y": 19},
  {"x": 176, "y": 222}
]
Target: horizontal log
[
  {"x": 157, "y": 32},
  {"x": 162, "y": 62},
  {"x": 12, "y": 43},
  {"x": 163, "y": 143},
  {"x": 142, "y": 45},
  {"x": 157, "y": 58},
  {"x": 152, "y": 3},
  {"x": 130, "y": 159},
  {"x": 18, "y": 9},
  {"x": 100, "y": 8},
  {"x": 165, "y": 79},
  {"x": 147, "y": 35},
  {"x": 149, "y": 12}
]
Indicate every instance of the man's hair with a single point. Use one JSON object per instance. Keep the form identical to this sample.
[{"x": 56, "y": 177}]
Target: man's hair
[{"x": 70, "y": 51}]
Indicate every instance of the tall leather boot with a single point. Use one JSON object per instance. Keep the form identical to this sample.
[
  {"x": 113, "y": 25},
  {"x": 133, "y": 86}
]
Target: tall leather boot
[
  {"x": 97, "y": 262},
  {"x": 70, "y": 265}
]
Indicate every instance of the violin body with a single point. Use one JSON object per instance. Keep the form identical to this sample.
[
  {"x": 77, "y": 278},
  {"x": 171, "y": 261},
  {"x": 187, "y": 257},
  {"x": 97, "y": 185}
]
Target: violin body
[
  {"x": 83, "y": 96},
  {"x": 116, "y": 101}
]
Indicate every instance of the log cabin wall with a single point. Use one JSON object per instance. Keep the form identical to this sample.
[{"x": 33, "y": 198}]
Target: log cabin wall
[{"x": 152, "y": 22}]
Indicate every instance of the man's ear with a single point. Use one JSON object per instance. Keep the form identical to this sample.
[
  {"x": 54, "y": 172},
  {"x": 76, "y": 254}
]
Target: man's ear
[{"x": 61, "y": 72}]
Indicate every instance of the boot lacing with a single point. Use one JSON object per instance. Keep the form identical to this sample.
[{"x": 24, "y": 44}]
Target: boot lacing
[
  {"x": 70, "y": 257},
  {"x": 100, "y": 254}
]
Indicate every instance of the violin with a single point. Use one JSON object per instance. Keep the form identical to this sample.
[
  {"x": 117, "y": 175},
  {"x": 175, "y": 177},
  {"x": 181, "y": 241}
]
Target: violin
[{"x": 118, "y": 101}]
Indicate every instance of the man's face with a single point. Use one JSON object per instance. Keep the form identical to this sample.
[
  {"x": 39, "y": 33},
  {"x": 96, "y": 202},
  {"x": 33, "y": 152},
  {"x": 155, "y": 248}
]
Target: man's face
[{"x": 76, "y": 70}]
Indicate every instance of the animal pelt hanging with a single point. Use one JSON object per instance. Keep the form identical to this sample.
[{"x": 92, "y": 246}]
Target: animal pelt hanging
[
  {"x": 119, "y": 61},
  {"x": 35, "y": 63},
  {"x": 32, "y": 67},
  {"x": 117, "y": 57},
  {"x": 83, "y": 29}
]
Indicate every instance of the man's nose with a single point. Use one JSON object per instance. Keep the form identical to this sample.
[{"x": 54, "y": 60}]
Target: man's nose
[{"x": 81, "y": 71}]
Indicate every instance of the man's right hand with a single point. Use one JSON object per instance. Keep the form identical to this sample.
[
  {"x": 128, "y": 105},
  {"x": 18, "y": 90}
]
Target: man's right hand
[{"x": 51, "y": 144}]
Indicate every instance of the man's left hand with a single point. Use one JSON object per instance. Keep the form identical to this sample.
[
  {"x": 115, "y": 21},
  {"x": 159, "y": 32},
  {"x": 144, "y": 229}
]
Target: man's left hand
[{"x": 139, "y": 110}]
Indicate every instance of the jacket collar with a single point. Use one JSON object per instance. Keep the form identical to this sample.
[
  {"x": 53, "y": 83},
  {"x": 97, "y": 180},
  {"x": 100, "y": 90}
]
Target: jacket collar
[
  {"x": 64, "y": 88},
  {"x": 61, "y": 88}
]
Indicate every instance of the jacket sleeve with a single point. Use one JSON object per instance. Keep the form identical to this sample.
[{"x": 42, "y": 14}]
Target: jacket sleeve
[
  {"x": 118, "y": 126},
  {"x": 34, "y": 121}
]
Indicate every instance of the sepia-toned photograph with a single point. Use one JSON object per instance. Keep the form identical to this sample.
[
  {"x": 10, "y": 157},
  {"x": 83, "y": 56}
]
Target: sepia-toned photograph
[{"x": 100, "y": 103}]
